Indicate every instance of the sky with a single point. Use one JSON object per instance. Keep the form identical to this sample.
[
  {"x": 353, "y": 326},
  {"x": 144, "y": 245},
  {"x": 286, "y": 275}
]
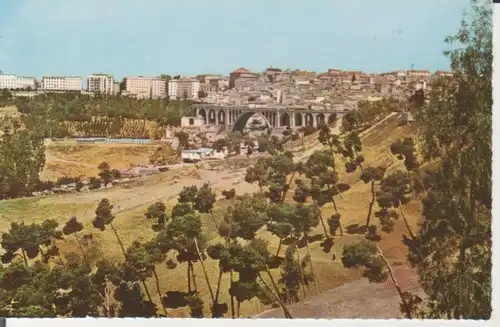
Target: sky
[{"x": 189, "y": 37}]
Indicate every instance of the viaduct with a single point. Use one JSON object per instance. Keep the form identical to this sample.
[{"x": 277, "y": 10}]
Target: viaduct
[{"x": 235, "y": 118}]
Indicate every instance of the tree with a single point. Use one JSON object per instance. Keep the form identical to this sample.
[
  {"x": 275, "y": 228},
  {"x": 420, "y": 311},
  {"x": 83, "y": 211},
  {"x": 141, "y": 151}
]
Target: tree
[
  {"x": 372, "y": 175},
  {"x": 273, "y": 172},
  {"x": 165, "y": 77},
  {"x": 141, "y": 261},
  {"x": 157, "y": 211},
  {"x": 229, "y": 194},
  {"x": 290, "y": 275},
  {"x": 204, "y": 202},
  {"x": 183, "y": 138},
  {"x": 104, "y": 217},
  {"x": 116, "y": 174},
  {"x": 247, "y": 215},
  {"x": 452, "y": 252},
  {"x": 188, "y": 194},
  {"x": 324, "y": 184},
  {"x": 184, "y": 236},
  {"x": 94, "y": 183},
  {"x": 105, "y": 173},
  {"x": 393, "y": 194},
  {"x": 405, "y": 150},
  {"x": 73, "y": 226},
  {"x": 22, "y": 157}
]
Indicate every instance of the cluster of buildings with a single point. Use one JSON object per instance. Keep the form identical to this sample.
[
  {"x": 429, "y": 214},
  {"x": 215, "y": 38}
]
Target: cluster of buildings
[{"x": 337, "y": 88}]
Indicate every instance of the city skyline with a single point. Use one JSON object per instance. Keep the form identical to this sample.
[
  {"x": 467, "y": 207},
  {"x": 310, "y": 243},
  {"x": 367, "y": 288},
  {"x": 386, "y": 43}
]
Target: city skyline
[{"x": 133, "y": 39}]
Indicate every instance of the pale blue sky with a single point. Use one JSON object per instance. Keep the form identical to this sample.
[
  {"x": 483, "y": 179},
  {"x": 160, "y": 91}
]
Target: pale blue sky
[{"x": 187, "y": 37}]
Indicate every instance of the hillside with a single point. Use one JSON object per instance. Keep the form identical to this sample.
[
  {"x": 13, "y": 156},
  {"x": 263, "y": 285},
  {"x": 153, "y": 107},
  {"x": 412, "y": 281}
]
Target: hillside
[
  {"x": 66, "y": 159},
  {"x": 131, "y": 201}
]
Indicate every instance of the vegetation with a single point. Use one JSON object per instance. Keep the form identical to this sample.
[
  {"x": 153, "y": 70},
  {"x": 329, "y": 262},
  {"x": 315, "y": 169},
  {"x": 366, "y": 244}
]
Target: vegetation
[
  {"x": 451, "y": 250},
  {"x": 73, "y": 114},
  {"x": 22, "y": 157}
]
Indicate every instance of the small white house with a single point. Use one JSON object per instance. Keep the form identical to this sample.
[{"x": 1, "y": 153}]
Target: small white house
[{"x": 196, "y": 155}]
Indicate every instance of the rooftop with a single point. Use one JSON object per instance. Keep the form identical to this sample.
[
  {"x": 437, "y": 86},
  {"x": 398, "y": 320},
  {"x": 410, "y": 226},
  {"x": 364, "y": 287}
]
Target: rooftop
[
  {"x": 241, "y": 70},
  {"x": 200, "y": 150}
]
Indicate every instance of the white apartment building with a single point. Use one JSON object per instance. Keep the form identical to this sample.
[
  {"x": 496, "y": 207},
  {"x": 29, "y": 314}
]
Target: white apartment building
[
  {"x": 101, "y": 83},
  {"x": 172, "y": 88},
  {"x": 183, "y": 88},
  {"x": 61, "y": 83},
  {"x": 146, "y": 87},
  {"x": 13, "y": 82}
]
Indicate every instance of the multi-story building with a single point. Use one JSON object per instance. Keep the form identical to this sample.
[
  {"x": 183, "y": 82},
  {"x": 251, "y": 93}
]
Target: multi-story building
[
  {"x": 205, "y": 78},
  {"x": 61, "y": 83},
  {"x": 13, "y": 82},
  {"x": 146, "y": 87},
  {"x": 241, "y": 73},
  {"x": 396, "y": 74},
  {"x": 442, "y": 73},
  {"x": 418, "y": 73},
  {"x": 183, "y": 88},
  {"x": 101, "y": 83}
]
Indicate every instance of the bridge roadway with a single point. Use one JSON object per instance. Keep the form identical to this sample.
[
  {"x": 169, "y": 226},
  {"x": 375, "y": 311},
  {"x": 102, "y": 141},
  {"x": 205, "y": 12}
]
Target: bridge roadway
[{"x": 235, "y": 118}]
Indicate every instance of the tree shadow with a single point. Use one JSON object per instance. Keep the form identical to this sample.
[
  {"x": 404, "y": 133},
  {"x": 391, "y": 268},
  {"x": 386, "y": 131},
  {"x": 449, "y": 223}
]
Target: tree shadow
[
  {"x": 372, "y": 234},
  {"x": 327, "y": 245},
  {"x": 316, "y": 238},
  {"x": 275, "y": 262},
  {"x": 288, "y": 241},
  {"x": 356, "y": 229}
]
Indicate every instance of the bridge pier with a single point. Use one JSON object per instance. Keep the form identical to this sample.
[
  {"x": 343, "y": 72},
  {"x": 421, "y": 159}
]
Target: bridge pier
[{"x": 234, "y": 117}]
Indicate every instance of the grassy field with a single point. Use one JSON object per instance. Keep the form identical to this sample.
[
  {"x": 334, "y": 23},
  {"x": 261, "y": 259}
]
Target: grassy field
[
  {"x": 132, "y": 225},
  {"x": 63, "y": 159}
]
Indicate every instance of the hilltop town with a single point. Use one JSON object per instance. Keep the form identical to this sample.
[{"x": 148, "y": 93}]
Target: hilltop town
[{"x": 337, "y": 89}]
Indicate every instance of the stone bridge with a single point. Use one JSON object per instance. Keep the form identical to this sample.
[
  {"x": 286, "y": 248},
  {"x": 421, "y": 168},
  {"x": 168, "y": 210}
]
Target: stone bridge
[{"x": 235, "y": 118}]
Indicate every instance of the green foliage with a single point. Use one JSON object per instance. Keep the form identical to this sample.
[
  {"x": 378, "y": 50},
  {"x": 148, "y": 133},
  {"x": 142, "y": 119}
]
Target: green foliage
[
  {"x": 205, "y": 199},
  {"x": 247, "y": 216},
  {"x": 94, "y": 183},
  {"x": 157, "y": 211},
  {"x": 290, "y": 275},
  {"x": 54, "y": 114},
  {"x": 405, "y": 150},
  {"x": 22, "y": 157},
  {"x": 393, "y": 193},
  {"x": 364, "y": 254},
  {"x": 188, "y": 194},
  {"x": 272, "y": 172},
  {"x": 103, "y": 215},
  {"x": 229, "y": 194}
]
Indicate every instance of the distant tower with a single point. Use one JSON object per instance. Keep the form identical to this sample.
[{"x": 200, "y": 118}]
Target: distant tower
[{"x": 412, "y": 66}]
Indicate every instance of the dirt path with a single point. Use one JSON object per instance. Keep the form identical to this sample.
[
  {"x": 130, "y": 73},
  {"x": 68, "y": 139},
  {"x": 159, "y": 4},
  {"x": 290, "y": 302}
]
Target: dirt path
[
  {"x": 392, "y": 114},
  {"x": 309, "y": 152},
  {"x": 354, "y": 300},
  {"x": 162, "y": 187}
]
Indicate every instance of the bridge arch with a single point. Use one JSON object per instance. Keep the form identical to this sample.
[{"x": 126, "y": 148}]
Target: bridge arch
[
  {"x": 203, "y": 114},
  {"x": 241, "y": 121},
  {"x": 284, "y": 120},
  {"x": 309, "y": 119},
  {"x": 320, "y": 119},
  {"x": 332, "y": 118},
  {"x": 298, "y": 119},
  {"x": 221, "y": 117},
  {"x": 212, "y": 118}
]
